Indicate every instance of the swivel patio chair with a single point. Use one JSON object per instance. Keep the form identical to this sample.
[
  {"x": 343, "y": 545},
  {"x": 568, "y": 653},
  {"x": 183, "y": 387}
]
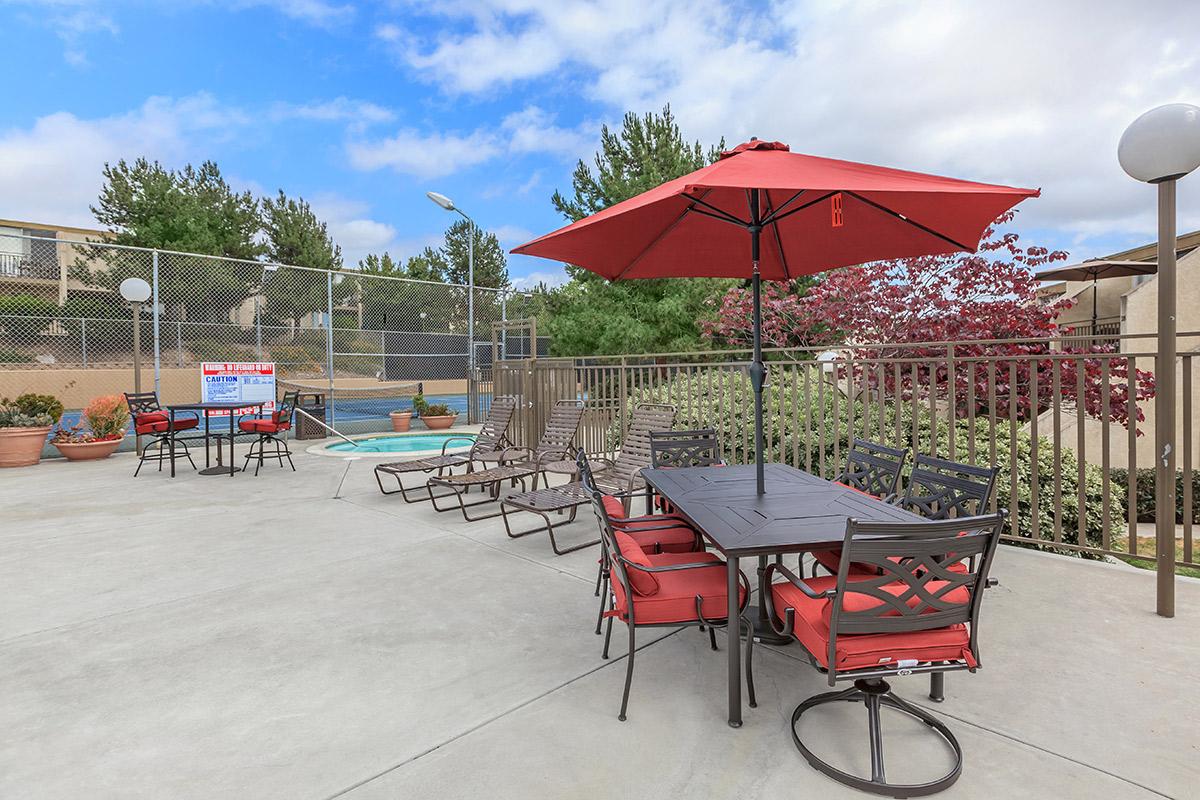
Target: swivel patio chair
[
  {"x": 621, "y": 475},
  {"x": 555, "y": 447},
  {"x": 488, "y": 446},
  {"x": 149, "y": 419},
  {"x": 872, "y": 469},
  {"x": 914, "y": 615},
  {"x": 268, "y": 429},
  {"x": 654, "y": 590}
]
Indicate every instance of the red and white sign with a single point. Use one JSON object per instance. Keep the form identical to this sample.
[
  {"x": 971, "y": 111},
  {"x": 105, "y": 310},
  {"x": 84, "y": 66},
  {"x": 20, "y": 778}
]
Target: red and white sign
[{"x": 238, "y": 382}]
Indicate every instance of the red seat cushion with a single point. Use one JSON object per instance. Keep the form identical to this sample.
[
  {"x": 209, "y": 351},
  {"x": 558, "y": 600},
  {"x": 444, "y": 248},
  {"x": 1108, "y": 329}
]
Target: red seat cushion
[
  {"x": 643, "y": 583},
  {"x": 263, "y": 426},
  {"x": 857, "y": 651},
  {"x": 679, "y": 539},
  {"x": 675, "y": 600},
  {"x": 156, "y": 425}
]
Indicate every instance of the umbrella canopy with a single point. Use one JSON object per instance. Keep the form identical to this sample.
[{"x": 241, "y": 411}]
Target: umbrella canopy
[
  {"x": 799, "y": 214},
  {"x": 816, "y": 214},
  {"x": 1098, "y": 268}
]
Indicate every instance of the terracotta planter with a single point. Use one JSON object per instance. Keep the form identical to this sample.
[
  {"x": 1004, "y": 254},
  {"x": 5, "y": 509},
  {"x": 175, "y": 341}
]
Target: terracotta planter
[
  {"x": 22, "y": 447},
  {"x": 87, "y": 451},
  {"x": 439, "y": 423},
  {"x": 401, "y": 421}
]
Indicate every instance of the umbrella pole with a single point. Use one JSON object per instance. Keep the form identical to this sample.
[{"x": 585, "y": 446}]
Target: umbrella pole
[{"x": 758, "y": 373}]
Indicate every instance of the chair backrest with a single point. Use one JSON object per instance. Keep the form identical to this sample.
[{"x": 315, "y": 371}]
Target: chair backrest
[
  {"x": 607, "y": 532},
  {"x": 495, "y": 427},
  {"x": 142, "y": 402},
  {"x": 698, "y": 448},
  {"x": 287, "y": 407},
  {"x": 635, "y": 449},
  {"x": 561, "y": 428},
  {"x": 915, "y": 589},
  {"x": 941, "y": 489},
  {"x": 873, "y": 468}
]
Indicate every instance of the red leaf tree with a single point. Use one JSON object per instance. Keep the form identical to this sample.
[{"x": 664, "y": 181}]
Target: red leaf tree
[{"x": 890, "y": 313}]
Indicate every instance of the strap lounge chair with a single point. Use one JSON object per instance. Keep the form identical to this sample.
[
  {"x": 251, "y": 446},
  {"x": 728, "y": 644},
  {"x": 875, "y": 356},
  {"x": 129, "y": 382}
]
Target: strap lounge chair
[
  {"x": 621, "y": 476},
  {"x": 555, "y": 447},
  {"x": 489, "y": 446}
]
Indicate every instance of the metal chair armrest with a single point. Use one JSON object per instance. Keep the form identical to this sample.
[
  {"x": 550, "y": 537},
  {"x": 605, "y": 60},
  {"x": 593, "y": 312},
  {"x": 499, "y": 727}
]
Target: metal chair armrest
[
  {"x": 674, "y": 567},
  {"x": 446, "y": 443},
  {"x": 798, "y": 582}
]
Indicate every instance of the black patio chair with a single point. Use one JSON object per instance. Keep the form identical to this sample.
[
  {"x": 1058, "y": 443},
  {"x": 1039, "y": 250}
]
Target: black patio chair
[
  {"x": 149, "y": 419},
  {"x": 872, "y": 469},
  {"x": 268, "y": 429},
  {"x": 695, "y": 448},
  {"x": 941, "y": 489},
  {"x": 916, "y": 614},
  {"x": 656, "y": 590}
]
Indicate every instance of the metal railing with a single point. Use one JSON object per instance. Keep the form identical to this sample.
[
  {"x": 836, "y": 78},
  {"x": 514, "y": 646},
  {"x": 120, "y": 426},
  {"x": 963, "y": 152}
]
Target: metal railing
[{"x": 1069, "y": 431}]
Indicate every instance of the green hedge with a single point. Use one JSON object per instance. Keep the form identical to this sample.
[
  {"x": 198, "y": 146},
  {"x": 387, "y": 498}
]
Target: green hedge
[
  {"x": 24, "y": 316},
  {"x": 1145, "y": 492},
  {"x": 728, "y": 407}
]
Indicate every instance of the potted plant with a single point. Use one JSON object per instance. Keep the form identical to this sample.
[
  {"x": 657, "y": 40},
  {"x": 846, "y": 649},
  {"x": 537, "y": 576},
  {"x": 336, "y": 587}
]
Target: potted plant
[
  {"x": 24, "y": 425},
  {"x": 437, "y": 416},
  {"x": 106, "y": 417},
  {"x": 401, "y": 420}
]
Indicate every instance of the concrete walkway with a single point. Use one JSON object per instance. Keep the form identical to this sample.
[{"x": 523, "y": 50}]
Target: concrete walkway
[{"x": 298, "y": 635}]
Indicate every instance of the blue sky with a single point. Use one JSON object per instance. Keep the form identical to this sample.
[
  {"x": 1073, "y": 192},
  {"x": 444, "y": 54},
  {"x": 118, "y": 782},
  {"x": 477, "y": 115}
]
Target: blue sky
[{"x": 362, "y": 108}]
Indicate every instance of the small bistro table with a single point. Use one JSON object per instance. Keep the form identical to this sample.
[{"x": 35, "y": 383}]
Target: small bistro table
[
  {"x": 207, "y": 409},
  {"x": 799, "y": 512}
]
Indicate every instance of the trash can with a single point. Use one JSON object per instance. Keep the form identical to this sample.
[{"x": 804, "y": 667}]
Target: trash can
[{"x": 314, "y": 406}]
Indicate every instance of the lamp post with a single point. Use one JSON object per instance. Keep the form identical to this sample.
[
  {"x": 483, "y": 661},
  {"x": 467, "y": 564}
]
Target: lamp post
[
  {"x": 448, "y": 204},
  {"x": 136, "y": 292},
  {"x": 1160, "y": 147}
]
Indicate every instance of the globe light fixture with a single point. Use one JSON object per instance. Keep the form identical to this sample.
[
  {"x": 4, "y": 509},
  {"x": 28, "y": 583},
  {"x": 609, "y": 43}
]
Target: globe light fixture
[
  {"x": 135, "y": 290},
  {"x": 1160, "y": 147}
]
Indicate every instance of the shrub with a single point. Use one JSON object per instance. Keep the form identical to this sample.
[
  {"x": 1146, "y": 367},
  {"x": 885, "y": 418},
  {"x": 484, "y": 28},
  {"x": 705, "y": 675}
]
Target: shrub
[
  {"x": 24, "y": 316},
  {"x": 13, "y": 357},
  {"x": 1145, "y": 492},
  {"x": 107, "y": 416},
  {"x": 38, "y": 404},
  {"x": 419, "y": 404},
  {"x": 727, "y": 406},
  {"x": 437, "y": 410}
]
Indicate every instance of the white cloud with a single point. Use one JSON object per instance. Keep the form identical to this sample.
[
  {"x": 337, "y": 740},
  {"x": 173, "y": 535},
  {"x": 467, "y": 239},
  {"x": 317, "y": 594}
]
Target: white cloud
[
  {"x": 511, "y": 235},
  {"x": 423, "y": 155},
  {"x": 533, "y": 130},
  {"x": 1024, "y": 97},
  {"x": 51, "y": 171},
  {"x": 530, "y": 281}
]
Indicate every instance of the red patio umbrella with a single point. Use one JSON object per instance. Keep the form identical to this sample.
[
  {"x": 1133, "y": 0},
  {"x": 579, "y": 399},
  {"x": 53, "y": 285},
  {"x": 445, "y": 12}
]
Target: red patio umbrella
[{"x": 803, "y": 214}]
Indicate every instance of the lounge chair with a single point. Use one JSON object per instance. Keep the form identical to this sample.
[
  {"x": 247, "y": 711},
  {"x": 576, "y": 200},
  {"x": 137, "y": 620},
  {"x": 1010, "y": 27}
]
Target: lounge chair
[
  {"x": 490, "y": 446},
  {"x": 555, "y": 448},
  {"x": 620, "y": 476}
]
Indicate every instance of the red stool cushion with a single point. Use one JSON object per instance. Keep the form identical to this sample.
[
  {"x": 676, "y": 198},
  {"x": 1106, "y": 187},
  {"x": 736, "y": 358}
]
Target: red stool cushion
[
  {"x": 263, "y": 426},
  {"x": 811, "y": 629},
  {"x": 152, "y": 423}
]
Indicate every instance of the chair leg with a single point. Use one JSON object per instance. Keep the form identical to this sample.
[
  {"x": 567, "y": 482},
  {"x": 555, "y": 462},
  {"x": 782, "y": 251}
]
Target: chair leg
[
  {"x": 937, "y": 686},
  {"x": 712, "y": 637},
  {"x": 607, "y": 637},
  {"x": 749, "y": 660},
  {"x": 628, "y": 673},
  {"x": 603, "y": 600}
]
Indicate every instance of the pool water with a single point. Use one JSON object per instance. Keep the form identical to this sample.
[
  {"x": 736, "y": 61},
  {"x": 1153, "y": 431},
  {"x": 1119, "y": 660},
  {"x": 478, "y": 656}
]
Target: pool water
[{"x": 409, "y": 443}]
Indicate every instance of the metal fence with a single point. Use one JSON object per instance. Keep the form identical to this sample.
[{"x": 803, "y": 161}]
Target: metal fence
[
  {"x": 1071, "y": 432},
  {"x": 65, "y": 329}
]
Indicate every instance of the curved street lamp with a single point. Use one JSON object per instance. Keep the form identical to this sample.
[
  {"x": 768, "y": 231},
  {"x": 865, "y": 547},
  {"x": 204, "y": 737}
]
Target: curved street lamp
[
  {"x": 1160, "y": 147},
  {"x": 448, "y": 204}
]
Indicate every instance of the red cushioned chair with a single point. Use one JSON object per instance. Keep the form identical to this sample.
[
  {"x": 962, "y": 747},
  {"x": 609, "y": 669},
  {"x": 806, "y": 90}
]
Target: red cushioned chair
[
  {"x": 913, "y": 615},
  {"x": 268, "y": 429},
  {"x": 872, "y": 469},
  {"x": 696, "y": 448},
  {"x": 663, "y": 589},
  {"x": 149, "y": 419}
]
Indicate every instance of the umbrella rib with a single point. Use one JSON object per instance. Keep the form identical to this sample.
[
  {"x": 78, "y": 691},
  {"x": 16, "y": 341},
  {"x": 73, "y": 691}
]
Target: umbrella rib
[
  {"x": 667, "y": 230},
  {"x": 798, "y": 209},
  {"x": 911, "y": 222},
  {"x": 775, "y": 230},
  {"x": 694, "y": 210},
  {"x": 771, "y": 217},
  {"x": 725, "y": 214}
]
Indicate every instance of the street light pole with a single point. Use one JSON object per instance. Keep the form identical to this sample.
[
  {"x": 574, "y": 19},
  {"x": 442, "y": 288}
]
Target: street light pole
[
  {"x": 1160, "y": 147},
  {"x": 448, "y": 204},
  {"x": 136, "y": 291}
]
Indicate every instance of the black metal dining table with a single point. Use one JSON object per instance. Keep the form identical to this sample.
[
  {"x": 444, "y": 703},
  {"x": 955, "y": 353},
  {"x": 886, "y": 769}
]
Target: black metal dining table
[
  {"x": 208, "y": 409},
  {"x": 799, "y": 512}
]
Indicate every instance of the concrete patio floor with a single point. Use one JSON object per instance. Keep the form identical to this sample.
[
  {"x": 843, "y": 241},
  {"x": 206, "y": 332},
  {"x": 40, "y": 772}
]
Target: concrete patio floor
[{"x": 298, "y": 635}]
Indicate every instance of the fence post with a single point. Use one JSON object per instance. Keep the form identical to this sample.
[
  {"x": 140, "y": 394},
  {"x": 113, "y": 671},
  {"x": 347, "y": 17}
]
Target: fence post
[
  {"x": 329, "y": 347},
  {"x": 503, "y": 326},
  {"x": 179, "y": 340},
  {"x": 154, "y": 308},
  {"x": 83, "y": 341}
]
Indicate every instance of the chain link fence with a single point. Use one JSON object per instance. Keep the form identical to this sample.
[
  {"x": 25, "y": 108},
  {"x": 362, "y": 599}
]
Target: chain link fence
[{"x": 65, "y": 330}]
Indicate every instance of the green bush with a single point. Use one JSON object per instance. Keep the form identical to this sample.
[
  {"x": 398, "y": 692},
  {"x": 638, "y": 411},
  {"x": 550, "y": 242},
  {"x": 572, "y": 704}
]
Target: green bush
[
  {"x": 216, "y": 350},
  {"x": 1145, "y": 492},
  {"x": 13, "y": 357},
  {"x": 728, "y": 406},
  {"x": 24, "y": 316},
  {"x": 30, "y": 411}
]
